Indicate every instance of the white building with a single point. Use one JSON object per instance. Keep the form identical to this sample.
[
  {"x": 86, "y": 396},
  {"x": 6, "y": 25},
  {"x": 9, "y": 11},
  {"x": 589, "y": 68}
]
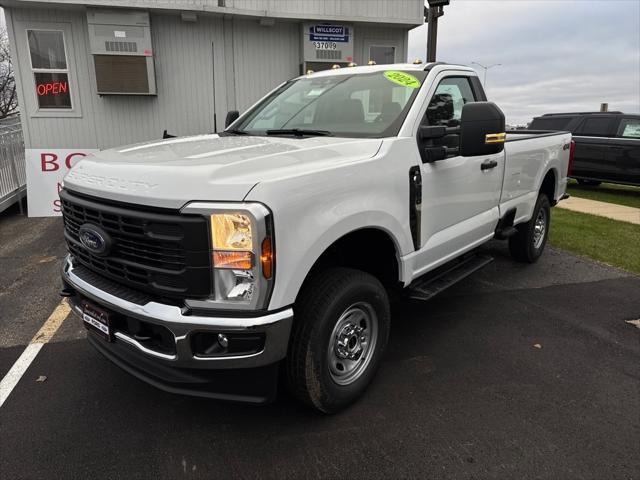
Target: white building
[{"x": 93, "y": 74}]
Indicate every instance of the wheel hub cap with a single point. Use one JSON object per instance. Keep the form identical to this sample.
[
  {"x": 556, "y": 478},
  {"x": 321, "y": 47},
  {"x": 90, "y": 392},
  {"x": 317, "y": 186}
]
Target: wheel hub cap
[
  {"x": 539, "y": 228},
  {"x": 352, "y": 343}
]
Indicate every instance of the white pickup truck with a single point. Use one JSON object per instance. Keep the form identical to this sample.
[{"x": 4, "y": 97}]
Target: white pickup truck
[{"x": 212, "y": 264}]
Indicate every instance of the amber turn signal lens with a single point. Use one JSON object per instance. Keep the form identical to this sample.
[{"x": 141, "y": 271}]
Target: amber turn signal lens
[
  {"x": 235, "y": 260},
  {"x": 266, "y": 258}
]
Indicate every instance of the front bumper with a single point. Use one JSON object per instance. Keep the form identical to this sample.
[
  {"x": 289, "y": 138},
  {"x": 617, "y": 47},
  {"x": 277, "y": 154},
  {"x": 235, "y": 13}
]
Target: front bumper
[{"x": 247, "y": 377}]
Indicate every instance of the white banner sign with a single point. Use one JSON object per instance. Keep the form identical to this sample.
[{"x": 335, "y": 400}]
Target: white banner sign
[{"x": 45, "y": 171}]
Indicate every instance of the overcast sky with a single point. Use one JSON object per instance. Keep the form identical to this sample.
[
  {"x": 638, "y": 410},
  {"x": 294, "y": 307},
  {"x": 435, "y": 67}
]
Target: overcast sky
[{"x": 556, "y": 55}]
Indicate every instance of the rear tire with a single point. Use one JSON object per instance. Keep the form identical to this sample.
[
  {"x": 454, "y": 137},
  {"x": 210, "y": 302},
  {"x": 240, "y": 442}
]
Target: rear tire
[
  {"x": 528, "y": 244},
  {"x": 341, "y": 328}
]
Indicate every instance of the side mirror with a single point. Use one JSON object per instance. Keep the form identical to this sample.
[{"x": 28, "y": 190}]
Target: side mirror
[
  {"x": 232, "y": 116},
  {"x": 430, "y": 152},
  {"x": 482, "y": 128},
  {"x": 427, "y": 132}
]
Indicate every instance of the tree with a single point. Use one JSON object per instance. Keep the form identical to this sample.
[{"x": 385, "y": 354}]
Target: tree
[{"x": 8, "y": 97}]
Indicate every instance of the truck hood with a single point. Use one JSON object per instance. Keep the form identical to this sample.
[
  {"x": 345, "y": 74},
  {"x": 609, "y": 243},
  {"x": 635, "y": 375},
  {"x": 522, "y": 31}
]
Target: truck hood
[{"x": 172, "y": 172}]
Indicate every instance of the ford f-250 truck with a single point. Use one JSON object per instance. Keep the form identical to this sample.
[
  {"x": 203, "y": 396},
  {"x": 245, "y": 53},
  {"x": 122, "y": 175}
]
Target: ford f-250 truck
[{"x": 212, "y": 264}]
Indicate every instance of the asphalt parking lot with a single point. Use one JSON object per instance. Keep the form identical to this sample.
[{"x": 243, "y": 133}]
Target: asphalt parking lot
[{"x": 517, "y": 372}]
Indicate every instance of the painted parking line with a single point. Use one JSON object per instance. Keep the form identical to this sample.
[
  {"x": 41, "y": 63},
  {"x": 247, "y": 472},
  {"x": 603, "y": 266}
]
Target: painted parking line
[{"x": 46, "y": 332}]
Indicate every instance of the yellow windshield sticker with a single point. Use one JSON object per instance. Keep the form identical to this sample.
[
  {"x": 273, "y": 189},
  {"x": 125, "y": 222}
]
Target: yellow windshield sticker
[{"x": 402, "y": 78}]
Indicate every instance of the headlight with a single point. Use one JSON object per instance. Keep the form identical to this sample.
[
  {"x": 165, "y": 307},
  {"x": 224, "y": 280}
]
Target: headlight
[
  {"x": 232, "y": 241},
  {"x": 242, "y": 254},
  {"x": 231, "y": 231}
]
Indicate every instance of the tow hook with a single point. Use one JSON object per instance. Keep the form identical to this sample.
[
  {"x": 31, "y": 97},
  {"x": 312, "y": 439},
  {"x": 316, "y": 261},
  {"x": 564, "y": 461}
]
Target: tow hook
[{"x": 67, "y": 292}]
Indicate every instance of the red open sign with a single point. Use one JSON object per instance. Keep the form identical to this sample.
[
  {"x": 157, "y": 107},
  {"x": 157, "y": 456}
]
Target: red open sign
[{"x": 52, "y": 88}]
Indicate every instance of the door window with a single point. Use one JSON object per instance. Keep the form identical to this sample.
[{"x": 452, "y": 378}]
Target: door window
[
  {"x": 629, "y": 128},
  {"x": 50, "y": 69},
  {"x": 595, "y": 127},
  {"x": 445, "y": 107}
]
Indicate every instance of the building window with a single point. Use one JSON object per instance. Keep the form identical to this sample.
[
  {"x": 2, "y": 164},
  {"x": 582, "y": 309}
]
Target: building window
[
  {"x": 382, "y": 54},
  {"x": 50, "y": 69}
]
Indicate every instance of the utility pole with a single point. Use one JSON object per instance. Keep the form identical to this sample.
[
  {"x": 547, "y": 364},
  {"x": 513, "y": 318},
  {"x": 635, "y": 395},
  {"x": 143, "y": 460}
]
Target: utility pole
[
  {"x": 484, "y": 82},
  {"x": 435, "y": 11}
]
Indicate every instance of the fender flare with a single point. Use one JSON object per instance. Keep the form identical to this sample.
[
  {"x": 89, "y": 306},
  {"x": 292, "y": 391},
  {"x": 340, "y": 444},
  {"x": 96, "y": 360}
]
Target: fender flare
[{"x": 285, "y": 294}]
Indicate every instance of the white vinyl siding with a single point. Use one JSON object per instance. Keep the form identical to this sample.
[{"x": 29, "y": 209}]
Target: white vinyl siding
[{"x": 403, "y": 12}]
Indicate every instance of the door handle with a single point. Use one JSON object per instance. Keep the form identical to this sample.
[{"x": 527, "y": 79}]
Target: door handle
[{"x": 488, "y": 165}]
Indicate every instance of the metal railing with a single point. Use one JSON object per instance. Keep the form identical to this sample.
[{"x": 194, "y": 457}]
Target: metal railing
[{"x": 13, "y": 178}]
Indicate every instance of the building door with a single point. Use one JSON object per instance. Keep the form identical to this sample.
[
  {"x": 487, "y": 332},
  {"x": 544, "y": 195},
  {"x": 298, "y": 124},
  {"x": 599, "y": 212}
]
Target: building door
[{"x": 381, "y": 51}]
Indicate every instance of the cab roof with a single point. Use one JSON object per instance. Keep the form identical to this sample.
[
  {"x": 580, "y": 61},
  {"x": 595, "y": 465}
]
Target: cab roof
[{"x": 381, "y": 68}]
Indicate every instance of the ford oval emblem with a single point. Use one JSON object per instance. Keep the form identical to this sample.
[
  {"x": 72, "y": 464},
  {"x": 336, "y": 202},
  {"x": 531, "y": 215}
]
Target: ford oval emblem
[{"x": 94, "y": 239}]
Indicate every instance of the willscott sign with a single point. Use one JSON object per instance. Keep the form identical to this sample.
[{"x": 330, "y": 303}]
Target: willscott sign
[
  {"x": 327, "y": 43},
  {"x": 329, "y": 33}
]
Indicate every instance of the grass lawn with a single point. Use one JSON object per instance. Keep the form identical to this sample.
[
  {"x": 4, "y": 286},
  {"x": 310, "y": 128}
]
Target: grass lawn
[
  {"x": 607, "y": 192},
  {"x": 608, "y": 241}
]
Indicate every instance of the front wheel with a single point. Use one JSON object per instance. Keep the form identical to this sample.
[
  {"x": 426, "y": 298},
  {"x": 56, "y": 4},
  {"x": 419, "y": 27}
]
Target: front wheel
[
  {"x": 528, "y": 244},
  {"x": 341, "y": 328}
]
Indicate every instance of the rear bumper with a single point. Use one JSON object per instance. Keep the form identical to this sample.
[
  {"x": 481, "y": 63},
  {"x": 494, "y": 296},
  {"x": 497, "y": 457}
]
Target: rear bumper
[{"x": 245, "y": 377}]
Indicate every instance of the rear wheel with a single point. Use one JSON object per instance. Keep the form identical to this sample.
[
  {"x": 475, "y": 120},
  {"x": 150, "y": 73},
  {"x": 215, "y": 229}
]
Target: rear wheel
[
  {"x": 528, "y": 244},
  {"x": 341, "y": 329}
]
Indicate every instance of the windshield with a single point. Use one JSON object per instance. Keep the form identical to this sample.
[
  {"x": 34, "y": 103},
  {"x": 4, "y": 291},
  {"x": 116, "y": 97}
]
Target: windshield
[{"x": 363, "y": 105}]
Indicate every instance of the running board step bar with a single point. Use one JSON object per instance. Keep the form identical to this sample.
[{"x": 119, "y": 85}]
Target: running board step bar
[{"x": 431, "y": 284}]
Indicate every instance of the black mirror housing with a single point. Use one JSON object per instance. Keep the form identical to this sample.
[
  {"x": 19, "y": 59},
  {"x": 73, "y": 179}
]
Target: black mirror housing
[
  {"x": 427, "y": 132},
  {"x": 232, "y": 116},
  {"x": 434, "y": 154},
  {"x": 482, "y": 129}
]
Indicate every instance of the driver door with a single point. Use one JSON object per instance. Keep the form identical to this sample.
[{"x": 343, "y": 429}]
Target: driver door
[{"x": 460, "y": 195}]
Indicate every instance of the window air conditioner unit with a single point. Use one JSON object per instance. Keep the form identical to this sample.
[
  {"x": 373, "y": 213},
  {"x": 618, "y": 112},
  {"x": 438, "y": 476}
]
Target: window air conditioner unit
[{"x": 120, "y": 42}]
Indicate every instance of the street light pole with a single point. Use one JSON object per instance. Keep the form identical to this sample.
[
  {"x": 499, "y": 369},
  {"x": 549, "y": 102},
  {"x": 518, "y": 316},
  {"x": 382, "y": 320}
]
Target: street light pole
[
  {"x": 435, "y": 10},
  {"x": 484, "y": 82}
]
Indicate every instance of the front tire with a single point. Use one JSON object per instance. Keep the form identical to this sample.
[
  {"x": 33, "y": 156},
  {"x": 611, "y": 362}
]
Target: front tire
[
  {"x": 528, "y": 244},
  {"x": 342, "y": 321}
]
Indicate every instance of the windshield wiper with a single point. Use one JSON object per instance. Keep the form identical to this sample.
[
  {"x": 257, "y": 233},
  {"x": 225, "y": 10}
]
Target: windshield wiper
[
  {"x": 300, "y": 132},
  {"x": 236, "y": 132}
]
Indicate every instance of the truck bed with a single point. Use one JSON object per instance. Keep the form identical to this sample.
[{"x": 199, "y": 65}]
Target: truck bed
[{"x": 529, "y": 155}]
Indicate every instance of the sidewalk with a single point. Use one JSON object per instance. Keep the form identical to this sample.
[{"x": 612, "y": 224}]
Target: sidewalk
[{"x": 602, "y": 209}]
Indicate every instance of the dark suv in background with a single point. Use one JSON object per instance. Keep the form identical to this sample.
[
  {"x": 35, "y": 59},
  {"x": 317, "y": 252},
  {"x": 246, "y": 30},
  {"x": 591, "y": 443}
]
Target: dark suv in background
[{"x": 607, "y": 145}]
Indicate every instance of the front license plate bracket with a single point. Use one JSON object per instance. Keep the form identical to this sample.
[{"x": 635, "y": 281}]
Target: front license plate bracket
[{"x": 98, "y": 320}]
